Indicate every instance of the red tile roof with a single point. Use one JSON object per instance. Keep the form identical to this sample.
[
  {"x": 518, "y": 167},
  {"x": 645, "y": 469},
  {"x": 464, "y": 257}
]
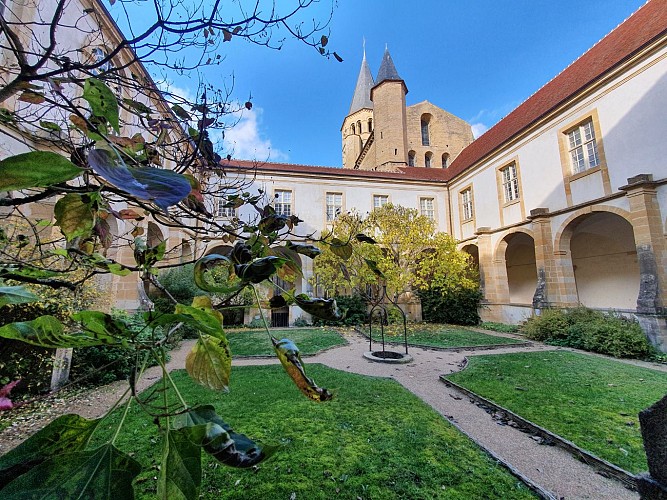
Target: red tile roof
[
  {"x": 406, "y": 173},
  {"x": 648, "y": 23}
]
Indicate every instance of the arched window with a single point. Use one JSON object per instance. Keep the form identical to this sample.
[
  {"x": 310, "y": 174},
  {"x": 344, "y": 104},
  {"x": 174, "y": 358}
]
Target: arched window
[
  {"x": 425, "y": 132},
  {"x": 359, "y": 126},
  {"x": 411, "y": 159},
  {"x": 445, "y": 160},
  {"x": 354, "y": 131},
  {"x": 370, "y": 124},
  {"x": 427, "y": 159}
]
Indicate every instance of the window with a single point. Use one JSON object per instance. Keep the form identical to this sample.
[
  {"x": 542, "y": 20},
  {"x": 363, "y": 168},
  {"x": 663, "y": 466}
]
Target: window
[
  {"x": 380, "y": 200},
  {"x": 334, "y": 205},
  {"x": 221, "y": 210},
  {"x": 445, "y": 160},
  {"x": 425, "y": 134},
  {"x": 411, "y": 159},
  {"x": 99, "y": 55},
  {"x": 370, "y": 124},
  {"x": 466, "y": 204},
  {"x": 283, "y": 202},
  {"x": 354, "y": 131},
  {"x": 510, "y": 182},
  {"x": 582, "y": 147},
  {"x": 359, "y": 126},
  {"x": 426, "y": 208},
  {"x": 427, "y": 159}
]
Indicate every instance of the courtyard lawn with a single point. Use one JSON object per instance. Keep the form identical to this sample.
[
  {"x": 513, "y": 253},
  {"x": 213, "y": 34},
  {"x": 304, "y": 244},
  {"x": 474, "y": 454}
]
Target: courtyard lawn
[
  {"x": 308, "y": 340},
  {"x": 439, "y": 336},
  {"x": 591, "y": 401},
  {"x": 374, "y": 440}
]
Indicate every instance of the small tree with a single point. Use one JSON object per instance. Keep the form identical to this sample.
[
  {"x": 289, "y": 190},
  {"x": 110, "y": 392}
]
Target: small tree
[{"x": 400, "y": 246}]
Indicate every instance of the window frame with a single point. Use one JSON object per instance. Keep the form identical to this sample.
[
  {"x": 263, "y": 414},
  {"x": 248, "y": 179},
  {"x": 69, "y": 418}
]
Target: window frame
[
  {"x": 379, "y": 196},
  {"x": 224, "y": 212},
  {"x": 278, "y": 204},
  {"x": 422, "y": 209},
  {"x": 510, "y": 183},
  {"x": 467, "y": 206},
  {"x": 425, "y": 128},
  {"x": 338, "y": 209}
]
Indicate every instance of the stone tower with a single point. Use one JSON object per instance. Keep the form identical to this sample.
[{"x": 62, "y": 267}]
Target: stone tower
[
  {"x": 358, "y": 123},
  {"x": 390, "y": 117},
  {"x": 381, "y": 133}
]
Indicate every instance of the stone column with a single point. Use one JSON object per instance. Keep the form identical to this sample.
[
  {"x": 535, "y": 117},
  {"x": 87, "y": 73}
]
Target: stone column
[
  {"x": 646, "y": 222},
  {"x": 544, "y": 257}
]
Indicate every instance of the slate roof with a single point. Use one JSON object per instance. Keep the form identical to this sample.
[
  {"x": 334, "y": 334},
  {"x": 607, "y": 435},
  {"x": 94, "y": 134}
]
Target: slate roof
[
  {"x": 387, "y": 69},
  {"x": 362, "y": 91},
  {"x": 647, "y": 24}
]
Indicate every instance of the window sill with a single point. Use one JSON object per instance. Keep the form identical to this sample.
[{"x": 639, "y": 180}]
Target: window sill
[
  {"x": 510, "y": 203},
  {"x": 590, "y": 171}
]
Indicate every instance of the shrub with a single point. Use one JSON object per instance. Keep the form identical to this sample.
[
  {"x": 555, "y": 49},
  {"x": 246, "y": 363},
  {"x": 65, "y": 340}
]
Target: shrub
[
  {"x": 298, "y": 322},
  {"x": 354, "y": 308},
  {"x": 459, "y": 306},
  {"x": 594, "y": 331},
  {"x": 101, "y": 365}
]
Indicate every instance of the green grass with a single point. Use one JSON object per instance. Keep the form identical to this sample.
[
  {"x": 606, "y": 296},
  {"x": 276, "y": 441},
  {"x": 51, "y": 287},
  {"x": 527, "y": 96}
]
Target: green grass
[
  {"x": 591, "y": 401},
  {"x": 439, "y": 336},
  {"x": 257, "y": 343},
  {"x": 499, "y": 327},
  {"x": 375, "y": 440}
]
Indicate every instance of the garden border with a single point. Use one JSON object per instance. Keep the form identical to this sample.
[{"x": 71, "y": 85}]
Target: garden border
[{"x": 602, "y": 467}]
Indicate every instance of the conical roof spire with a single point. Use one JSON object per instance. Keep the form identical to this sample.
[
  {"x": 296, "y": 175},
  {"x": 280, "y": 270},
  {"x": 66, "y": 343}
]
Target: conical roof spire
[
  {"x": 362, "y": 92},
  {"x": 387, "y": 69}
]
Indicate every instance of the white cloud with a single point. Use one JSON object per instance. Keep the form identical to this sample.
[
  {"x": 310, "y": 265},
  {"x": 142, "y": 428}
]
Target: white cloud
[
  {"x": 478, "y": 129},
  {"x": 244, "y": 140}
]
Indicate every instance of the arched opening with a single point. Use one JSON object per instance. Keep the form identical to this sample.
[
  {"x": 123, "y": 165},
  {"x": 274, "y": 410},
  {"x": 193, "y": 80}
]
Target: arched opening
[
  {"x": 359, "y": 126},
  {"x": 354, "y": 129},
  {"x": 220, "y": 250},
  {"x": 604, "y": 260},
  {"x": 445, "y": 160},
  {"x": 411, "y": 158},
  {"x": 425, "y": 121},
  {"x": 427, "y": 159},
  {"x": 521, "y": 268},
  {"x": 473, "y": 251}
]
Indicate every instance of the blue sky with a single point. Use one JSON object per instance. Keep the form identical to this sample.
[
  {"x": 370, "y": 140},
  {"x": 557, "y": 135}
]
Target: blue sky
[{"x": 477, "y": 59}]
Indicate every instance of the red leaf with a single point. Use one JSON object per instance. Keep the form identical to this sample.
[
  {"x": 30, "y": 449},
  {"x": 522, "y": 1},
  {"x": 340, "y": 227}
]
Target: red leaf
[{"x": 5, "y": 402}]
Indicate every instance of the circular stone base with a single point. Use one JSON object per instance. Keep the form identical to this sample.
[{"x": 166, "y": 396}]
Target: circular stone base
[{"x": 388, "y": 357}]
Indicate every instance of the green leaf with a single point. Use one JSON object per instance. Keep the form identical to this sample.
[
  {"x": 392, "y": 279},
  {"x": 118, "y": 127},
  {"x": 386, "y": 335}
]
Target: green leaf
[
  {"x": 180, "y": 112},
  {"x": 47, "y": 331},
  {"x": 28, "y": 272},
  {"x": 104, "y": 472},
  {"x": 365, "y": 239},
  {"x": 341, "y": 249},
  {"x": 209, "y": 363},
  {"x": 322, "y": 308},
  {"x": 102, "y": 101},
  {"x": 307, "y": 250},
  {"x": 15, "y": 295},
  {"x": 374, "y": 267},
  {"x": 74, "y": 216},
  {"x": 180, "y": 473},
  {"x": 219, "y": 440},
  {"x": 104, "y": 327},
  {"x": 140, "y": 107},
  {"x": 47, "y": 125},
  {"x": 210, "y": 262},
  {"x": 260, "y": 269},
  {"x": 288, "y": 354},
  {"x": 292, "y": 267},
  {"x": 64, "y": 434},
  {"x": 35, "y": 169}
]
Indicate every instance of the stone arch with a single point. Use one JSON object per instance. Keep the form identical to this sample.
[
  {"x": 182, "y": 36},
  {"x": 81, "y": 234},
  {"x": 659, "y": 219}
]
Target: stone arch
[
  {"x": 473, "y": 250},
  {"x": 445, "y": 160},
  {"x": 220, "y": 250},
  {"x": 154, "y": 234},
  {"x": 411, "y": 158},
  {"x": 425, "y": 122},
  {"x": 515, "y": 259},
  {"x": 600, "y": 244},
  {"x": 428, "y": 157}
]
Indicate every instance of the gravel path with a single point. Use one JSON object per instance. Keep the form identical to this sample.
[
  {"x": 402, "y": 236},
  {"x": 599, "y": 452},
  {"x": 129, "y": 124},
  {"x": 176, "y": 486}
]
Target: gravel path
[{"x": 548, "y": 466}]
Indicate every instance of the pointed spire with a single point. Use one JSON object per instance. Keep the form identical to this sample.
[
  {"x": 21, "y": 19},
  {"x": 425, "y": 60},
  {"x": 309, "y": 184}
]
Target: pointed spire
[
  {"x": 387, "y": 69},
  {"x": 362, "y": 92}
]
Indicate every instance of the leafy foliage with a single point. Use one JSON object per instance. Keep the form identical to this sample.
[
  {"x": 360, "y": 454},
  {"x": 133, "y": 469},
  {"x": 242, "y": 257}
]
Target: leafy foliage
[
  {"x": 591, "y": 330},
  {"x": 354, "y": 308},
  {"x": 453, "y": 306}
]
